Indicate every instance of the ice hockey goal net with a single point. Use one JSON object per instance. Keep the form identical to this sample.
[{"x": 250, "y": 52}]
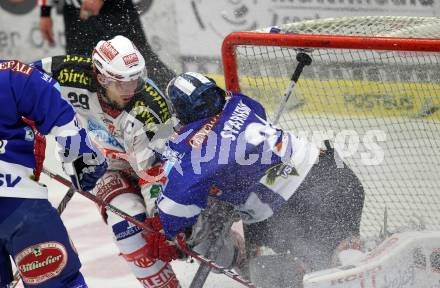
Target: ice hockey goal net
[{"x": 374, "y": 84}]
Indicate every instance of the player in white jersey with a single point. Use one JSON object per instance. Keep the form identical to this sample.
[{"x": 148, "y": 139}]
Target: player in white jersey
[
  {"x": 292, "y": 197},
  {"x": 120, "y": 108}
]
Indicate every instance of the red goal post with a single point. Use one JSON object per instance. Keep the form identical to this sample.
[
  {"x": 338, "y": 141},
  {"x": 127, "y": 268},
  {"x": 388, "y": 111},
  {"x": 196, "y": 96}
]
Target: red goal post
[
  {"x": 374, "y": 78},
  {"x": 235, "y": 39}
]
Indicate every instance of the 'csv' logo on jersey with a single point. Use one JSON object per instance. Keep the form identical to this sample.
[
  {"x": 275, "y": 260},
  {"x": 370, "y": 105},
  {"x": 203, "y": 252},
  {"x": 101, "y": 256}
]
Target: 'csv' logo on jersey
[{"x": 9, "y": 180}]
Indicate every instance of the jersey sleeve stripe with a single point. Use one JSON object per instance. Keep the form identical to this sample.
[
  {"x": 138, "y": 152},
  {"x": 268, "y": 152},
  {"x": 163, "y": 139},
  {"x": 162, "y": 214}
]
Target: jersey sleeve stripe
[
  {"x": 170, "y": 207},
  {"x": 69, "y": 129},
  {"x": 46, "y": 64}
]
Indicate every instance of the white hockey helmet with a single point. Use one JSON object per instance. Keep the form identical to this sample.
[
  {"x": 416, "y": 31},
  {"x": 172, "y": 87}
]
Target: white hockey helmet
[{"x": 118, "y": 59}]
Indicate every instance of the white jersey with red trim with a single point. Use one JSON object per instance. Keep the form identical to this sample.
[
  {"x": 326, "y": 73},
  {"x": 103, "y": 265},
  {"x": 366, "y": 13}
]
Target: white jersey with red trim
[
  {"x": 126, "y": 137},
  {"x": 121, "y": 135}
]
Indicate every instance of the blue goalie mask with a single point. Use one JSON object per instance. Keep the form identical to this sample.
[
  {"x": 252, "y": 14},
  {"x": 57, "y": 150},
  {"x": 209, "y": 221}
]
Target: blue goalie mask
[{"x": 195, "y": 97}]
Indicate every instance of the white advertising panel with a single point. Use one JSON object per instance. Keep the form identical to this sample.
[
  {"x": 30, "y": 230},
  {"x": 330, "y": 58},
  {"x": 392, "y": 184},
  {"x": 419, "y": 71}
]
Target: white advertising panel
[{"x": 202, "y": 24}]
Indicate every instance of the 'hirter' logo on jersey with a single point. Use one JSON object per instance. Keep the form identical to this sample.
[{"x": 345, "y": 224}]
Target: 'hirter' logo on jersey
[
  {"x": 70, "y": 76},
  {"x": 9, "y": 180}
]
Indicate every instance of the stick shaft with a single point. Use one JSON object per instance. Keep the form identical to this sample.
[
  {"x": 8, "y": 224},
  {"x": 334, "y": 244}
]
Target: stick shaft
[{"x": 303, "y": 60}]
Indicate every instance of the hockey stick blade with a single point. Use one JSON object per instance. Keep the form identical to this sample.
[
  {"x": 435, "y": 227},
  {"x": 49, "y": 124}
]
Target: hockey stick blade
[
  {"x": 229, "y": 273},
  {"x": 303, "y": 61}
]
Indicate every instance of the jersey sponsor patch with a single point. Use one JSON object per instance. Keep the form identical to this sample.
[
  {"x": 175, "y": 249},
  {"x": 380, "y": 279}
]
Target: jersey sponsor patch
[
  {"x": 101, "y": 134},
  {"x": 74, "y": 78},
  {"x": 16, "y": 66},
  {"x": 41, "y": 262},
  {"x": 124, "y": 229},
  {"x": 201, "y": 135},
  {"x": 280, "y": 170}
]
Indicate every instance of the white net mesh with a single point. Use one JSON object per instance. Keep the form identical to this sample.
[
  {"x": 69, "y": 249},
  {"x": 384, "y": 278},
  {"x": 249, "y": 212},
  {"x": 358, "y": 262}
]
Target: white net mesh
[
  {"x": 387, "y": 100},
  {"x": 390, "y": 26}
]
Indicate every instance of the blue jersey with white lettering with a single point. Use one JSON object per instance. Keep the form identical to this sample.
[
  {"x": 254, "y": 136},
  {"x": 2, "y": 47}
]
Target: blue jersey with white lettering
[
  {"x": 237, "y": 157},
  {"x": 27, "y": 92}
]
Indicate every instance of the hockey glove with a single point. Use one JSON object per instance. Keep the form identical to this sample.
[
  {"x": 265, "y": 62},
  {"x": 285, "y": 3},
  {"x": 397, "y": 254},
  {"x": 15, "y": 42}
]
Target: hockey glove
[
  {"x": 85, "y": 174},
  {"x": 83, "y": 164},
  {"x": 158, "y": 247}
]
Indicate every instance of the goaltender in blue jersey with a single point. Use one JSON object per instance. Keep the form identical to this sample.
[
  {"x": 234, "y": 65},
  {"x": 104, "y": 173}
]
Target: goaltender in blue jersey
[
  {"x": 31, "y": 231},
  {"x": 291, "y": 195},
  {"x": 237, "y": 157}
]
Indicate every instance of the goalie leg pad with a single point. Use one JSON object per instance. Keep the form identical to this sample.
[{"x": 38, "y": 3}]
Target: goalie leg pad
[
  {"x": 132, "y": 245},
  {"x": 113, "y": 184}
]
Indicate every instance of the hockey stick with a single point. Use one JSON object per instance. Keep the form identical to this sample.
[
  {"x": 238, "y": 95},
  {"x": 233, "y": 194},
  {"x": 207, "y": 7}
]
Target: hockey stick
[
  {"x": 60, "y": 209},
  {"x": 231, "y": 274},
  {"x": 303, "y": 60}
]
